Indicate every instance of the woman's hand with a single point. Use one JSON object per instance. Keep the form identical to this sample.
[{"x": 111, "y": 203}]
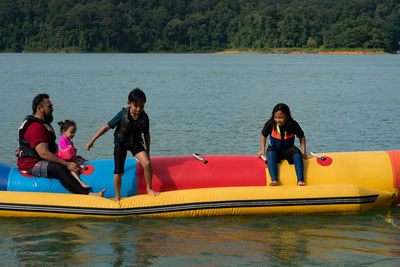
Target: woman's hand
[{"x": 261, "y": 153}]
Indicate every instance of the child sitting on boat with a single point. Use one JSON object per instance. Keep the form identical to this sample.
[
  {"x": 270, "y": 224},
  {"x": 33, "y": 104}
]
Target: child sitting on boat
[
  {"x": 67, "y": 150},
  {"x": 282, "y": 130}
]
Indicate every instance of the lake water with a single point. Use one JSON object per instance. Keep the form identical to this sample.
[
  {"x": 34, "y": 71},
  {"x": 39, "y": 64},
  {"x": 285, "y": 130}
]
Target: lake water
[{"x": 209, "y": 104}]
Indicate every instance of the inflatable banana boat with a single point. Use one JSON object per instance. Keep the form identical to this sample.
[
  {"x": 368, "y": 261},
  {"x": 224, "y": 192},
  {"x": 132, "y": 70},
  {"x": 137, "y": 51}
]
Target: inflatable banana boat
[{"x": 337, "y": 183}]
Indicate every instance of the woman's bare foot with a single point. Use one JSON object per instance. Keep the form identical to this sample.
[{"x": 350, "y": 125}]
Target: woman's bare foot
[
  {"x": 152, "y": 192},
  {"x": 273, "y": 183},
  {"x": 301, "y": 183},
  {"x": 98, "y": 194}
]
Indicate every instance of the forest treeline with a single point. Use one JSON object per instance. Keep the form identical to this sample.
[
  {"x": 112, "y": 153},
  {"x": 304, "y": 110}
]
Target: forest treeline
[{"x": 198, "y": 25}]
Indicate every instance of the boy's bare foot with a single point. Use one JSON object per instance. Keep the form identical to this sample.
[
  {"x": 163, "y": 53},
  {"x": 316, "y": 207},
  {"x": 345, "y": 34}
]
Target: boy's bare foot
[
  {"x": 301, "y": 183},
  {"x": 98, "y": 194},
  {"x": 117, "y": 198},
  {"x": 152, "y": 192},
  {"x": 273, "y": 183}
]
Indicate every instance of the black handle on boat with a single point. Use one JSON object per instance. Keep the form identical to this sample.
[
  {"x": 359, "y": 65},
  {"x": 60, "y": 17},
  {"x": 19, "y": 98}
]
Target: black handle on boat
[
  {"x": 83, "y": 167},
  {"x": 264, "y": 158},
  {"x": 197, "y": 156},
  {"x": 318, "y": 156}
]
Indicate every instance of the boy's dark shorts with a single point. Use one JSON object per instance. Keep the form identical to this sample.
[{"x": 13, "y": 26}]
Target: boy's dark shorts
[
  {"x": 285, "y": 153},
  {"x": 120, "y": 155}
]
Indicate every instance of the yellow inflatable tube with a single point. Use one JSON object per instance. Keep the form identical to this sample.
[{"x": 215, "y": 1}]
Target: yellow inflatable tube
[
  {"x": 369, "y": 169},
  {"x": 330, "y": 199}
]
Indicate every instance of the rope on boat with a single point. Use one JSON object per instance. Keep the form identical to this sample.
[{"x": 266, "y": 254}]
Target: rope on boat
[{"x": 389, "y": 219}]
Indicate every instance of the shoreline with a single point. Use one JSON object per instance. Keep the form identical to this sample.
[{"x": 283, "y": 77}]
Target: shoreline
[
  {"x": 296, "y": 52},
  {"x": 234, "y": 51}
]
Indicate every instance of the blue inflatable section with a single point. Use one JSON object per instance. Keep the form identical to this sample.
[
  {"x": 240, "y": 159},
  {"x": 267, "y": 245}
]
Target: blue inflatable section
[
  {"x": 101, "y": 178},
  {"x": 4, "y": 172}
]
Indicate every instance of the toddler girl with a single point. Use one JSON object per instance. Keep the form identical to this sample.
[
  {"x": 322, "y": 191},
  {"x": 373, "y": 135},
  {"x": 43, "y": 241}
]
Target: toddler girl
[{"x": 67, "y": 150}]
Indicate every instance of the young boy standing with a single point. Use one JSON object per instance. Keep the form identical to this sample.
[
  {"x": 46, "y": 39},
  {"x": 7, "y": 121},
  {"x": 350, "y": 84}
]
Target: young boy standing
[{"x": 131, "y": 122}]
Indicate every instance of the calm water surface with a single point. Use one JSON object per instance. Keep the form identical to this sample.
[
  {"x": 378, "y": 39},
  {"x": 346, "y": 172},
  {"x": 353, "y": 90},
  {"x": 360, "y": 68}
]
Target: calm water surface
[{"x": 209, "y": 104}]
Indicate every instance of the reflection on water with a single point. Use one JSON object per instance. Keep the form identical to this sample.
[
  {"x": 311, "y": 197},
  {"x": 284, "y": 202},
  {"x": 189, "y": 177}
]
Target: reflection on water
[{"x": 287, "y": 240}]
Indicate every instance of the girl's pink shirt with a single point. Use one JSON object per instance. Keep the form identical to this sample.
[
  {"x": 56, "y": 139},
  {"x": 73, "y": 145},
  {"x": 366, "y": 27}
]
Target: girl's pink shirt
[
  {"x": 65, "y": 142},
  {"x": 67, "y": 150}
]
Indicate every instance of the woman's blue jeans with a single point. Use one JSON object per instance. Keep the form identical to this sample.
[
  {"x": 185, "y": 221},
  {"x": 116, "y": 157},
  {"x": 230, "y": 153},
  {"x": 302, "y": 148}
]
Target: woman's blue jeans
[{"x": 273, "y": 165}]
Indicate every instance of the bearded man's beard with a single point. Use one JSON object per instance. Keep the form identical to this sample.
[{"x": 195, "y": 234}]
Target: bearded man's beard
[{"x": 48, "y": 118}]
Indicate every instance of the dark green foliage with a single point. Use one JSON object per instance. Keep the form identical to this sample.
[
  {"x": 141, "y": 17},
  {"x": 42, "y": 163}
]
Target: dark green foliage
[{"x": 198, "y": 25}]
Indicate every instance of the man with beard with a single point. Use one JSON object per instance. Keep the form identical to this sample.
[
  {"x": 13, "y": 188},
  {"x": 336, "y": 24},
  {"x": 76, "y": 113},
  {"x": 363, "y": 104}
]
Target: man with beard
[{"x": 38, "y": 146}]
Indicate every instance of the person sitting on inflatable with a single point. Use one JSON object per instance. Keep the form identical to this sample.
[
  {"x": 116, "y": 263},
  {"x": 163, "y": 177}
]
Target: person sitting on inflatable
[
  {"x": 67, "y": 150},
  {"x": 37, "y": 148},
  {"x": 282, "y": 129}
]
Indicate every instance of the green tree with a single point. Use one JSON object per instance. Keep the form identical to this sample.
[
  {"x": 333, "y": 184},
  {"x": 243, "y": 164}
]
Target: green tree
[
  {"x": 196, "y": 31},
  {"x": 173, "y": 33},
  {"x": 197, "y": 25}
]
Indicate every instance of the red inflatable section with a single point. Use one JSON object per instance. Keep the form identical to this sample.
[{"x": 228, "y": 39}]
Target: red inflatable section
[
  {"x": 26, "y": 174},
  {"x": 176, "y": 173},
  {"x": 395, "y": 160}
]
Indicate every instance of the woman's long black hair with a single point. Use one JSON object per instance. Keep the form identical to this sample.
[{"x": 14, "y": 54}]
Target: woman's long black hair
[{"x": 286, "y": 110}]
